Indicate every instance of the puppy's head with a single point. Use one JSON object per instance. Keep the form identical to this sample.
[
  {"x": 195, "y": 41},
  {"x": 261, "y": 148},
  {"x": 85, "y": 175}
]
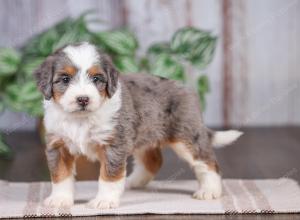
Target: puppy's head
[{"x": 77, "y": 77}]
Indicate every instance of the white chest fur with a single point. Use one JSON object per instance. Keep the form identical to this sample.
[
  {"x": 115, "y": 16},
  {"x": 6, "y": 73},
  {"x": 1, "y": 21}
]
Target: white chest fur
[{"x": 82, "y": 133}]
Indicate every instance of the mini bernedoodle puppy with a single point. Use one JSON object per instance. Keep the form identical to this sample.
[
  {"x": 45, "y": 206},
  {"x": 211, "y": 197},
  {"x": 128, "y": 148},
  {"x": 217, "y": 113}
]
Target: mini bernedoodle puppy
[{"x": 91, "y": 110}]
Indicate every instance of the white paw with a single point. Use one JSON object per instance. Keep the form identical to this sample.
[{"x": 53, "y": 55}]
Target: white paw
[
  {"x": 101, "y": 203},
  {"x": 208, "y": 192},
  {"x": 59, "y": 201}
]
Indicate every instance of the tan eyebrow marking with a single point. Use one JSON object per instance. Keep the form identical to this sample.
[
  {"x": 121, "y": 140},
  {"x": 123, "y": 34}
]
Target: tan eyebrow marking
[
  {"x": 70, "y": 70},
  {"x": 94, "y": 70}
]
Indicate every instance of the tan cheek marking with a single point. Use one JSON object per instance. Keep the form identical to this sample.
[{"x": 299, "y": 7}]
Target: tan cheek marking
[
  {"x": 104, "y": 171},
  {"x": 57, "y": 95},
  {"x": 103, "y": 94},
  {"x": 64, "y": 163},
  {"x": 152, "y": 159}
]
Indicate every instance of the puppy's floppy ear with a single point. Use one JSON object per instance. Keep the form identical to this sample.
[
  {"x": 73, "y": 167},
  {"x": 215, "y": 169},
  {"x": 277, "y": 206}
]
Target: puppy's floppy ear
[
  {"x": 112, "y": 75},
  {"x": 44, "y": 76}
]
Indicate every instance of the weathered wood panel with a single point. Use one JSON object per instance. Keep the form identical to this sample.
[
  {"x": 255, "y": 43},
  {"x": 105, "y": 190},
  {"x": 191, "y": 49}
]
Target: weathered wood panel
[
  {"x": 255, "y": 73},
  {"x": 265, "y": 73},
  {"x": 19, "y": 20}
]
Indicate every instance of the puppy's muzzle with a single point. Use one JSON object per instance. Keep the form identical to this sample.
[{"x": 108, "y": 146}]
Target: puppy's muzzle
[{"x": 83, "y": 101}]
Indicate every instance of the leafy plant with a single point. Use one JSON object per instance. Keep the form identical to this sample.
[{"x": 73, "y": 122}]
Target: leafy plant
[{"x": 188, "y": 46}]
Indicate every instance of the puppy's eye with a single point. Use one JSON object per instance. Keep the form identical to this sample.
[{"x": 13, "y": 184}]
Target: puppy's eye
[
  {"x": 66, "y": 79},
  {"x": 98, "y": 78}
]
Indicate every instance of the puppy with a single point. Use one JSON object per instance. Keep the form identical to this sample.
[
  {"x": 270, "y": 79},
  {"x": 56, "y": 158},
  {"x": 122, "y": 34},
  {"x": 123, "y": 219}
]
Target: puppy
[{"x": 91, "y": 110}]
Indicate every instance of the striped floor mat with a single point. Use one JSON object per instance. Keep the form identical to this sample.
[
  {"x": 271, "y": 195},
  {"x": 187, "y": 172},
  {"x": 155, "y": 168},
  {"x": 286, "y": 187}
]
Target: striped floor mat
[{"x": 160, "y": 197}]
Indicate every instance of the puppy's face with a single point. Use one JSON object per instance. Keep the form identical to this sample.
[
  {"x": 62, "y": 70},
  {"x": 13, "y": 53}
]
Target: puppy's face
[{"x": 78, "y": 78}]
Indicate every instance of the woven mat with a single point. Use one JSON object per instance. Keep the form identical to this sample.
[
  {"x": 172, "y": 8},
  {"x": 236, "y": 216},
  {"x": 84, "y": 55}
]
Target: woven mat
[{"x": 160, "y": 197}]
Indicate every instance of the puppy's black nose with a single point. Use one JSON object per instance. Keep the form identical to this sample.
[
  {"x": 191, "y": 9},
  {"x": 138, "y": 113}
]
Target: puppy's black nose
[{"x": 83, "y": 101}]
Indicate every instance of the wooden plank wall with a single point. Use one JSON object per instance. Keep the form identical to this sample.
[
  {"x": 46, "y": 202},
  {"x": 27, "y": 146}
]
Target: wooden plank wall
[{"x": 255, "y": 73}]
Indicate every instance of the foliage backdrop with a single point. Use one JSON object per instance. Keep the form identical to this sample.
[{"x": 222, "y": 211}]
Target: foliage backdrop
[{"x": 188, "y": 46}]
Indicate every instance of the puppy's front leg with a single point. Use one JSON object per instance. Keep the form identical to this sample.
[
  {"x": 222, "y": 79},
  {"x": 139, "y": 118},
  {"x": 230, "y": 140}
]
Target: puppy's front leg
[
  {"x": 61, "y": 164},
  {"x": 112, "y": 178}
]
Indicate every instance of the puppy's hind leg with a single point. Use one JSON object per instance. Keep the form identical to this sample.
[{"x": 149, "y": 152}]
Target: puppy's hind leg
[
  {"x": 147, "y": 162},
  {"x": 205, "y": 169}
]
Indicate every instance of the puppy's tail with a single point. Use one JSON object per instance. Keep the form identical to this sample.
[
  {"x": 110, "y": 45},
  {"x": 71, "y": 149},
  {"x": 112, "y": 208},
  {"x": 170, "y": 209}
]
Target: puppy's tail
[{"x": 224, "y": 138}]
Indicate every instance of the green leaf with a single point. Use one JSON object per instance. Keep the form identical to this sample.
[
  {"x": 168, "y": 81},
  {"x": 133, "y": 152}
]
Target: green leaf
[
  {"x": 120, "y": 42},
  {"x": 78, "y": 33},
  {"x": 25, "y": 98},
  {"x": 186, "y": 38},
  {"x": 159, "y": 48},
  {"x": 144, "y": 64},
  {"x": 42, "y": 44},
  {"x": 165, "y": 66},
  {"x": 126, "y": 64},
  {"x": 203, "y": 84},
  {"x": 5, "y": 151},
  {"x": 36, "y": 109},
  {"x": 9, "y": 61},
  {"x": 65, "y": 25},
  {"x": 12, "y": 91},
  {"x": 205, "y": 55},
  {"x": 31, "y": 65},
  {"x": 66, "y": 38},
  {"x": 29, "y": 92},
  {"x": 194, "y": 45},
  {"x": 81, "y": 25},
  {"x": 67, "y": 31},
  {"x": 203, "y": 89},
  {"x": 47, "y": 42}
]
